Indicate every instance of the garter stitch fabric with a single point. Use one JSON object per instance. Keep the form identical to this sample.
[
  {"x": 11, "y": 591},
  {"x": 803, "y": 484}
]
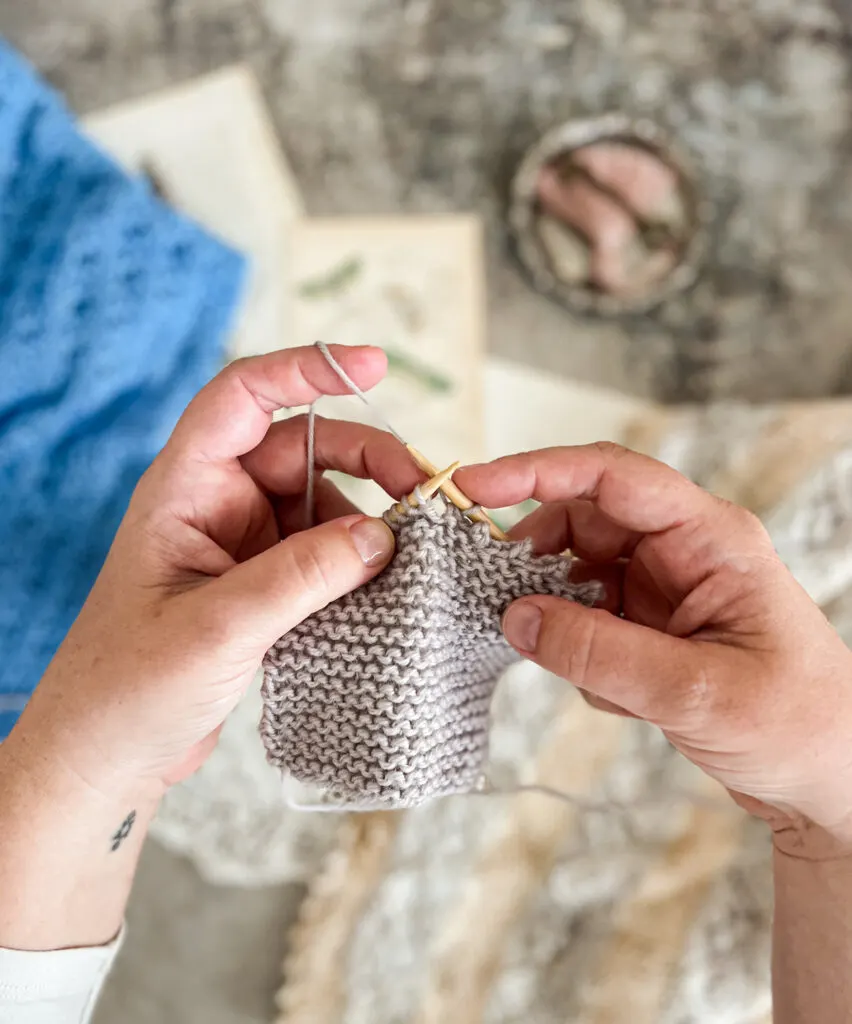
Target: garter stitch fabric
[{"x": 382, "y": 698}]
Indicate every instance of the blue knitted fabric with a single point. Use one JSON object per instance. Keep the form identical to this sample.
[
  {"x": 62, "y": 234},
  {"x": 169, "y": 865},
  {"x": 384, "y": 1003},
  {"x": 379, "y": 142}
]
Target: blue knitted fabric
[{"x": 113, "y": 313}]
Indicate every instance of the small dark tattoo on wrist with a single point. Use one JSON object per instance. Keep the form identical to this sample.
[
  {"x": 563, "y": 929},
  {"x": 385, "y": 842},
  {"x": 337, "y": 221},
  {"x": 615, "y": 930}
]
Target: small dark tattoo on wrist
[{"x": 123, "y": 831}]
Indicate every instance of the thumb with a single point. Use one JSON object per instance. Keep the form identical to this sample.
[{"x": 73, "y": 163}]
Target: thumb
[
  {"x": 648, "y": 673},
  {"x": 267, "y": 595}
]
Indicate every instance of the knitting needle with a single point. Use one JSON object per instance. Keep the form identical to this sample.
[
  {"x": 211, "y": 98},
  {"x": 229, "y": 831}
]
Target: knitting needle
[
  {"x": 425, "y": 491},
  {"x": 457, "y": 497},
  {"x": 431, "y": 487}
]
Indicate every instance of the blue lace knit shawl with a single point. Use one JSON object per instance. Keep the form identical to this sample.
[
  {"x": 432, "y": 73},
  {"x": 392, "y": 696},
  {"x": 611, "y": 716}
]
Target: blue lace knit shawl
[{"x": 113, "y": 313}]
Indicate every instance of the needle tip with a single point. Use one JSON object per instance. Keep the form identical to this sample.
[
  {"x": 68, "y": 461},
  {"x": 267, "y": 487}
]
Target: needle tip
[{"x": 433, "y": 485}]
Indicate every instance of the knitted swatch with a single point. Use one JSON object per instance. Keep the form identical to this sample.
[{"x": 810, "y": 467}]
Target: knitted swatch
[{"x": 382, "y": 698}]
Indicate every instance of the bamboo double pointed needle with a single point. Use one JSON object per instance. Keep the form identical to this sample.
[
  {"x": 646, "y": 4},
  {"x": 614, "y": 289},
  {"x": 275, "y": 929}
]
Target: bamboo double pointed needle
[
  {"x": 423, "y": 492},
  {"x": 431, "y": 487},
  {"x": 457, "y": 497}
]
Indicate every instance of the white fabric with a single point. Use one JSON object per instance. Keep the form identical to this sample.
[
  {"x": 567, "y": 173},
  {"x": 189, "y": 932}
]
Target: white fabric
[{"x": 57, "y": 987}]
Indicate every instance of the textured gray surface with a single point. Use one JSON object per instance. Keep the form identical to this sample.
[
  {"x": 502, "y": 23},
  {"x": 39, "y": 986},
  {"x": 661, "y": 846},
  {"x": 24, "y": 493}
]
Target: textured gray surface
[
  {"x": 195, "y": 952},
  {"x": 385, "y": 105},
  {"x": 383, "y": 697}
]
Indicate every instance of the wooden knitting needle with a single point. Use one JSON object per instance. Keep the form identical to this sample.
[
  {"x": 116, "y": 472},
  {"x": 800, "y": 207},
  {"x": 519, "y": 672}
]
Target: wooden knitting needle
[
  {"x": 457, "y": 497},
  {"x": 424, "y": 492},
  {"x": 432, "y": 486}
]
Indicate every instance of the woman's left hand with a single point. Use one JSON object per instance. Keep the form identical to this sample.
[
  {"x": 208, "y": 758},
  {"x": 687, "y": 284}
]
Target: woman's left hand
[{"x": 209, "y": 567}]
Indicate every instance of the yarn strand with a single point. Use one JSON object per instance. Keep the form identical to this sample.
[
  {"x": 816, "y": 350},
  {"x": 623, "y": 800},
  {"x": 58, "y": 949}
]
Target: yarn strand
[
  {"x": 310, "y": 441},
  {"x": 356, "y": 391},
  {"x": 310, "y": 484}
]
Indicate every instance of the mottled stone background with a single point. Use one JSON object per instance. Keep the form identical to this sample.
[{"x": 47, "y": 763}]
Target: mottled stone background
[{"x": 422, "y": 105}]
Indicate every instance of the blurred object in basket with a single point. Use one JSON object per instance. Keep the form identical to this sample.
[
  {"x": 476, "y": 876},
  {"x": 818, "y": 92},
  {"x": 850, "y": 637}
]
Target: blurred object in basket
[{"x": 606, "y": 216}]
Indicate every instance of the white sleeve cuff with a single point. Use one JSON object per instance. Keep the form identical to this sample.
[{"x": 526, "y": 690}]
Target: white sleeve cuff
[{"x": 56, "y": 987}]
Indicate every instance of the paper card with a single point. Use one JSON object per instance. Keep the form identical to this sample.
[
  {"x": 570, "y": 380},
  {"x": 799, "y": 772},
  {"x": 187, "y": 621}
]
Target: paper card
[
  {"x": 210, "y": 147},
  {"x": 413, "y": 286},
  {"x": 527, "y": 409}
]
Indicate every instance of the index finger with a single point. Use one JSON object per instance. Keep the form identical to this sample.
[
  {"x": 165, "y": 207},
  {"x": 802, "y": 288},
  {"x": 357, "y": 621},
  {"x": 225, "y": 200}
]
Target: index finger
[
  {"x": 686, "y": 534},
  {"x": 633, "y": 490},
  {"x": 231, "y": 415}
]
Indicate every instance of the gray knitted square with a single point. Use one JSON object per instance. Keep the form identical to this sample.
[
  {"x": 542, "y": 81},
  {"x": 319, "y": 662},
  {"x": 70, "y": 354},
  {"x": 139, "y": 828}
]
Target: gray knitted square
[{"x": 382, "y": 698}]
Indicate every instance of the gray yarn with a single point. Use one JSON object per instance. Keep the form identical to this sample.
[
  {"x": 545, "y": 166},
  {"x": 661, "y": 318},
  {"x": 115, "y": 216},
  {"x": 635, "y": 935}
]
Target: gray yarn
[
  {"x": 353, "y": 387},
  {"x": 382, "y": 698}
]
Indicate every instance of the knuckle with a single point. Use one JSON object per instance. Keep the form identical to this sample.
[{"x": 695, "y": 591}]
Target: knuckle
[
  {"x": 232, "y": 375},
  {"x": 245, "y": 375},
  {"x": 746, "y": 524},
  {"x": 611, "y": 450},
  {"x": 310, "y": 569},
  {"x": 752, "y": 525},
  {"x": 573, "y": 647},
  {"x": 697, "y": 698},
  {"x": 236, "y": 367}
]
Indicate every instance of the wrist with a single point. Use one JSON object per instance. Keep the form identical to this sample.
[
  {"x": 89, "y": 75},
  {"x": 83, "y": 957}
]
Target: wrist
[
  {"x": 803, "y": 840},
  {"x": 66, "y": 744},
  {"x": 812, "y": 944},
  {"x": 68, "y": 850}
]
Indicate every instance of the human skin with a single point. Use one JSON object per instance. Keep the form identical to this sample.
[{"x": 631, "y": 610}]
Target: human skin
[
  {"x": 724, "y": 651},
  {"x": 197, "y": 586}
]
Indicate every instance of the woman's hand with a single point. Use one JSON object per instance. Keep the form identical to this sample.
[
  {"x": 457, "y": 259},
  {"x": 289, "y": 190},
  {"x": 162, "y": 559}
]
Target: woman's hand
[
  {"x": 719, "y": 646},
  {"x": 207, "y": 570}
]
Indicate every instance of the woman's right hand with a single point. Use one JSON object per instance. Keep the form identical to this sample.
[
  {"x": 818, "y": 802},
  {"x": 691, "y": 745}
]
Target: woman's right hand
[{"x": 718, "y": 644}]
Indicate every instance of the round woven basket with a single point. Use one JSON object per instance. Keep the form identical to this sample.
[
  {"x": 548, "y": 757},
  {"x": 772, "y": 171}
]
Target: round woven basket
[{"x": 524, "y": 212}]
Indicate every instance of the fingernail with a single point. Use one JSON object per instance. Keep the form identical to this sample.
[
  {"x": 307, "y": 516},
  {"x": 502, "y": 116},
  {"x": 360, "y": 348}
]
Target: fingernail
[
  {"x": 521, "y": 626},
  {"x": 373, "y": 541}
]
